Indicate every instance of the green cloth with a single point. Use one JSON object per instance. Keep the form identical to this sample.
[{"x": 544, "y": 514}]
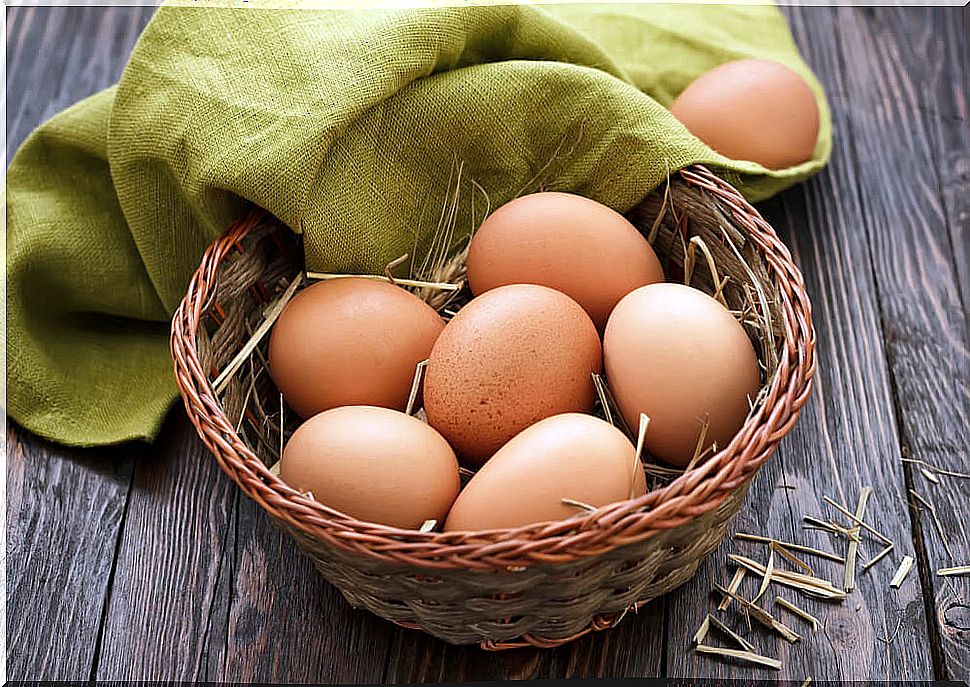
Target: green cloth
[{"x": 349, "y": 126}]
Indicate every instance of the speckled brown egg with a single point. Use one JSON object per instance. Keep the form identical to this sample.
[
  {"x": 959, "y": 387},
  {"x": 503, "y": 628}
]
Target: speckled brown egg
[
  {"x": 373, "y": 464},
  {"x": 350, "y": 341},
  {"x": 755, "y": 110},
  {"x": 571, "y": 456},
  {"x": 677, "y": 355},
  {"x": 567, "y": 242},
  {"x": 511, "y": 357}
]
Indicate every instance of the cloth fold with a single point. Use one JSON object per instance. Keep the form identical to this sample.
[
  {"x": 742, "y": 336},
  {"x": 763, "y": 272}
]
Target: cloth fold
[{"x": 355, "y": 128}]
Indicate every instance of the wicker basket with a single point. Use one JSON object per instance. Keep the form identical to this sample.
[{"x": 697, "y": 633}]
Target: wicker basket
[{"x": 548, "y": 583}]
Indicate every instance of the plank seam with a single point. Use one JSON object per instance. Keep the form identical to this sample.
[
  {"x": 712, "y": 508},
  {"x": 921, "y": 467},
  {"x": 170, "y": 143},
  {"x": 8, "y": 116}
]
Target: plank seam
[
  {"x": 202, "y": 667},
  {"x": 109, "y": 587}
]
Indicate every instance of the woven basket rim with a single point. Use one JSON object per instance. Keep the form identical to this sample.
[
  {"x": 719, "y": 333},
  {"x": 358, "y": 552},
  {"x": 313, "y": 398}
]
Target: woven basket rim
[{"x": 587, "y": 534}]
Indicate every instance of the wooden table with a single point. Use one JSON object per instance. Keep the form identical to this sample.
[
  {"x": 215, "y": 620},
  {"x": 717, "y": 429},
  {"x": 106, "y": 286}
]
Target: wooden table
[{"x": 143, "y": 562}]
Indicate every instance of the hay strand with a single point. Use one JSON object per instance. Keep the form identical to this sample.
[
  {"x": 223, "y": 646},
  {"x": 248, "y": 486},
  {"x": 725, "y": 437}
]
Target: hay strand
[
  {"x": 735, "y": 637},
  {"x": 958, "y": 570},
  {"x": 803, "y": 614},
  {"x": 857, "y": 520},
  {"x": 748, "y": 656},
  {"x": 853, "y": 550},
  {"x": 274, "y": 312},
  {"x": 878, "y": 557},
  {"x": 415, "y": 386},
  {"x": 904, "y": 567},
  {"x": 762, "y": 616},
  {"x": 732, "y": 587},
  {"x": 790, "y": 546},
  {"x": 396, "y": 281}
]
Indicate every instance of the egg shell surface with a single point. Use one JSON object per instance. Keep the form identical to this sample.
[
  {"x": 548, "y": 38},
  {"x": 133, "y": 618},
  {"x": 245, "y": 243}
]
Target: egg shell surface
[
  {"x": 567, "y": 242},
  {"x": 677, "y": 355},
  {"x": 373, "y": 464},
  {"x": 755, "y": 110},
  {"x": 350, "y": 341},
  {"x": 513, "y": 356},
  {"x": 573, "y": 456}
]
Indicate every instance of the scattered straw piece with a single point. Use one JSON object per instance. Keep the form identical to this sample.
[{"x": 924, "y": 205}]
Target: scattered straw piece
[
  {"x": 415, "y": 386},
  {"x": 853, "y": 550},
  {"x": 658, "y": 220},
  {"x": 904, "y": 567},
  {"x": 762, "y": 616},
  {"x": 282, "y": 425},
  {"x": 766, "y": 578},
  {"x": 416, "y": 283},
  {"x": 930, "y": 476},
  {"x": 428, "y": 525},
  {"x": 738, "y": 639},
  {"x": 814, "y": 586},
  {"x": 261, "y": 330},
  {"x": 958, "y": 570},
  {"x": 604, "y": 401},
  {"x": 690, "y": 259},
  {"x": 857, "y": 520},
  {"x": 702, "y": 631},
  {"x": 748, "y": 656},
  {"x": 938, "y": 471},
  {"x": 791, "y": 547},
  {"x": 936, "y": 522},
  {"x": 792, "y": 558},
  {"x": 878, "y": 557},
  {"x": 578, "y": 504},
  {"x": 732, "y": 587},
  {"x": 889, "y": 639},
  {"x": 700, "y": 451},
  {"x": 275, "y": 468},
  {"x": 641, "y": 436},
  {"x": 828, "y": 526},
  {"x": 807, "y": 681},
  {"x": 805, "y": 615}
]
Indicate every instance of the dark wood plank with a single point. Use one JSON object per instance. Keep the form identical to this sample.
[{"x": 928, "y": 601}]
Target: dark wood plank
[
  {"x": 845, "y": 439},
  {"x": 65, "y": 506},
  {"x": 169, "y": 557},
  {"x": 64, "y": 510},
  {"x": 901, "y": 76},
  {"x": 951, "y": 137},
  {"x": 286, "y": 623}
]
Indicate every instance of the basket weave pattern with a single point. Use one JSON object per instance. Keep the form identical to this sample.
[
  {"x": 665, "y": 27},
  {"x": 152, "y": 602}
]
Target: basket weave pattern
[{"x": 543, "y": 584}]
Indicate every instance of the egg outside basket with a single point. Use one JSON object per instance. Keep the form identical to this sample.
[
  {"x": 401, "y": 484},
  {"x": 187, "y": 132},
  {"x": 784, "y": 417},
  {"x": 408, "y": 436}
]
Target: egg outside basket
[{"x": 548, "y": 583}]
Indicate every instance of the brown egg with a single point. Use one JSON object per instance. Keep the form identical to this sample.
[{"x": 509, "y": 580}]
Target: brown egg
[
  {"x": 566, "y": 242},
  {"x": 350, "y": 341},
  {"x": 511, "y": 357},
  {"x": 373, "y": 464},
  {"x": 754, "y": 110},
  {"x": 570, "y": 456},
  {"x": 679, "y": 356}
]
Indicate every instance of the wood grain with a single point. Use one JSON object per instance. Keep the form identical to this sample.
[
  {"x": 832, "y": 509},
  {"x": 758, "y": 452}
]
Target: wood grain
[
  {"x": 950, "y": 133},
  {"x": 901, "y": 80},
  {"x": 64, "y": 512},
  {"x": 285, "y": 623},
  {"x": 169, "y": 555}
]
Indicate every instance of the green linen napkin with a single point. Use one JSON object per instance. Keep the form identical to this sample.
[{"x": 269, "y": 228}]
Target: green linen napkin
[{"x": 353, "y": 127}]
